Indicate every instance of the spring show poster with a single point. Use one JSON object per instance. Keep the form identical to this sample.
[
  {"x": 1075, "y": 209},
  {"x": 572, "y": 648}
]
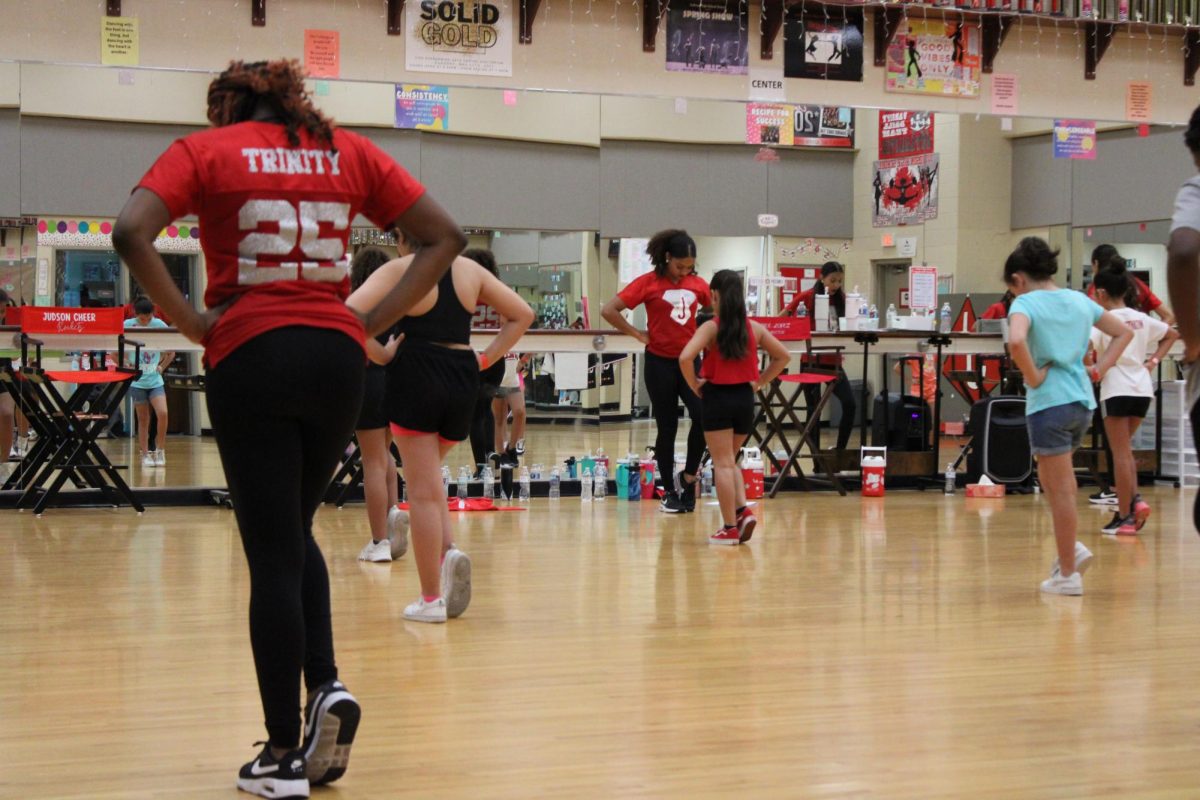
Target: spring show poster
[
  {"x": 822, "y": 46},
  {"x": 471, "y": 37},
  {"x": 787, "y": 125},
  {"x": 939, "y": 57},
  {"x": 709, "y": 36},
  {"x": 906, "y": 190}
]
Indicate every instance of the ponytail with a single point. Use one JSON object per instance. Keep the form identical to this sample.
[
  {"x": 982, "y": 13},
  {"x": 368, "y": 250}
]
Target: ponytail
[{"x": 732, "y": 339}]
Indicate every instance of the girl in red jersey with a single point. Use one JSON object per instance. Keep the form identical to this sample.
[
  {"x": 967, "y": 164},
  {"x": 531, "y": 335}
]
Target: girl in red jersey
[
  {"x": 275, "y": 186},
  {"x": 729, "y": 377},
  {"x": 672, "y": 294}
]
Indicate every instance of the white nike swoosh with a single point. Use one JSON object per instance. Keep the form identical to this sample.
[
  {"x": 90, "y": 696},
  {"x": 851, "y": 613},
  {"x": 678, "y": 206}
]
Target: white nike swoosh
[{"x": 256, "y": 770}]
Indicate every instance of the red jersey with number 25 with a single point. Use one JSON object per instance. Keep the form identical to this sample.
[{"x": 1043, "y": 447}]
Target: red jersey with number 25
[
  {"x": 670, "y": 309},
  {"x": 274, "y": 222}
]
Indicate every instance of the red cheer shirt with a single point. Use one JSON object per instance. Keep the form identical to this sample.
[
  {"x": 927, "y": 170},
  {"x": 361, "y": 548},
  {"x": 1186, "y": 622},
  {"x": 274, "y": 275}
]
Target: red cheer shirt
[
  {"x": 670, "y": 309},
  {"x": 995, "y": 311},
  {"x": 722, "y": 371},
  {"x": 274, "y": 222}
]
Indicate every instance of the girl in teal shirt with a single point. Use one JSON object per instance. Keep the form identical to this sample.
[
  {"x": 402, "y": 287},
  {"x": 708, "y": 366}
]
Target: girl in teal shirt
[{"x": 1049, "y": 329}]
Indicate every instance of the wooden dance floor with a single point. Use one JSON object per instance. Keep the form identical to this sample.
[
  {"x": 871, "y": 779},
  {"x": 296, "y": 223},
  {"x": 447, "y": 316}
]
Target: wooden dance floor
[{"x": 896, "y": 648}]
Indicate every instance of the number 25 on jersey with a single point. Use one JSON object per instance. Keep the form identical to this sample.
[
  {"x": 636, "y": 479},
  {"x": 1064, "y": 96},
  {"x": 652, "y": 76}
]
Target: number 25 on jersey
[{"x": 262, "y": 255}]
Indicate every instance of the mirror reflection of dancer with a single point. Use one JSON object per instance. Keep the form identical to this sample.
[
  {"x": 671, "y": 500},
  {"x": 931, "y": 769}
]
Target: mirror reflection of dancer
[
  {"x": 432, "y": 389},
  {"x": 672, "y": 295},
  {"x": 833, "y": 274},
  {"x": 285, "y": 360},
  {"x": 729, "y": 378},
  {"x": 388, "y": 524},
  {"x": 914, "y": 59},
  {"x": 956, "y": 40},
  {"x": 1049, "y": 329}
]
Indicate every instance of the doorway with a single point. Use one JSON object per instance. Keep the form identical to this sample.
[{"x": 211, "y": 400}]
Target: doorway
[{"x": 891, "y": 277}]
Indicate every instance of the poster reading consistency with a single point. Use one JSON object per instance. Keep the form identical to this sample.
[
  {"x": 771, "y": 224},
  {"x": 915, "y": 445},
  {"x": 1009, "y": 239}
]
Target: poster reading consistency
[
  {"x": 789, "y": 125},
  {"x": 462, "y": 38},
  {"x": 906, "y": 190},
  {"x": 905, "y": 133},
  {"x": 709, "y": 36},
  {"x": 822, "y": 46},
  {"x": 1075, "y": 138},
  {"x": 423, "y": 107},
  {"x": 934, "y": 57}
]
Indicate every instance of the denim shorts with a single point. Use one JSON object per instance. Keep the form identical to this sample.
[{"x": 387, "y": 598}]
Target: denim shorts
[
  {"x": 140, "y": 396},
  {"x": 1058, "y": 430}
]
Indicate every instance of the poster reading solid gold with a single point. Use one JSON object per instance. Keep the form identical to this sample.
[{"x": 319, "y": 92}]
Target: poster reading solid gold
[
  {"x": 935, "y": 57},
  {"x": 461, "y": 38}
]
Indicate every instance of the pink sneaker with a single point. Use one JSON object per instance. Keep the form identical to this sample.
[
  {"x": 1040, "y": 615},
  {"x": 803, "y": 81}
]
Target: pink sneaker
[
  {"x": 1141, "y": 510},
  {"x": 729, "y": 535},
  {"x": 745, "y": 524}
]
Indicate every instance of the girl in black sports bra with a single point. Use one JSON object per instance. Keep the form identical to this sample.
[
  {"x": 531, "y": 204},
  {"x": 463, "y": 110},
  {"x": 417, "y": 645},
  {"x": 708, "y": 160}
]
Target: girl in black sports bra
[{"x": 431, "y": 391}]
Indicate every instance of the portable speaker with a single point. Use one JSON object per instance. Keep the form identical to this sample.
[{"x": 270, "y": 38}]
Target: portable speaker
[{"x": 1000, "y": 446}]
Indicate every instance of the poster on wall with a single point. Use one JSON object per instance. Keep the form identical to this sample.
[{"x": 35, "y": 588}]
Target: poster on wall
[
  {"x": 906, "y": 190},
  {"x": 460, "y": 38},
  {"x": 1075, "y": 138},
  {"x": 821, "y": 46},
  {"x": 805, "y": 277},
  {"x": 632, "y": 260},
  {"x": 934, "y": 57},
  {"x": 709, "y": 36},
  {"x": 787, "y": 125},
  {"x": 423, "y": 107},
  {"x": 905, "y": 133}
]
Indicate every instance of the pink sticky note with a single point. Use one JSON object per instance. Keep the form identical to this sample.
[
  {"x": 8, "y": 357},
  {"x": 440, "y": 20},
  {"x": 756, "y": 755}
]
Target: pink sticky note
[{"x": 510, "y": 97}]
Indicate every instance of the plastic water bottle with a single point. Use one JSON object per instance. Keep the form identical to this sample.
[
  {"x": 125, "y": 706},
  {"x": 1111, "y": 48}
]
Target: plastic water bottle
[
  {"x": 585, "y": 486},
  {"x": 873, "y": 315},
  {"x": 523, "y": 491},
  {"x": 464, "y": 478},
  {"x": 706, "y": 481},
  {"x": 445, "y": 480},
  {"x": 801, "y": 311},
  {"x": 891, "y": 315},
  {"x": 555, "y": 484},
  {"x": 601, "y": 481},
  {"x": 489, "y": 482},
  {"x": 944, "y": 326},
  {"x": 951, "y": 478}
]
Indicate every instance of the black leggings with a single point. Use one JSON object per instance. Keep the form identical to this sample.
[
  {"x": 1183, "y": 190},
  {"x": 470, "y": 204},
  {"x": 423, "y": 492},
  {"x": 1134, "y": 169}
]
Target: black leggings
[
  {"x": 1196, "y": 441},
  {"x": 845, "y": 396},
  {"x": 665, "y": 383},
  {"x": 283, "y": 406}
]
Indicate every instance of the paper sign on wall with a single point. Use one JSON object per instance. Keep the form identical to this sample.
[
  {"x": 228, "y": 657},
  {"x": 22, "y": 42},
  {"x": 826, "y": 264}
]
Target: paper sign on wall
[
  {"x": 119, "y": 41},
  {"x": 422, "y": 106},
  {"x": 1005, "y": 88},
  {"x": 322, "y": 54},
  {"x": 922, "y": 287},
  {"x": 1139, "y": 97},
  {"x": 906, "y": 246},
  {"x": 1075, "y": 138}
]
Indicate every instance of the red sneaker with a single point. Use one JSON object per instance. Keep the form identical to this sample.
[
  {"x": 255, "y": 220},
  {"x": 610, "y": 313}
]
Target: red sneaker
[
  {"x": 729, "y": 535},
  {"x": 745, "y": 525}
]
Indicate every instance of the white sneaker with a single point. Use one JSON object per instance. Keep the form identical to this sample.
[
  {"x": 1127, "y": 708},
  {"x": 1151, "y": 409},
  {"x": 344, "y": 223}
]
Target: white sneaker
[
  {"x": 520, "y": 447},
  {"x": 420, "y": 611},
  {"x": 160, "y": 457},
  {"x": 1083, "y": 560},
  {"x": 456, "y": 581},
  {"x": 379, "y": 552},
  {"x": 1057, "y": 584},
  {"x": 147, "y": 460},
  {"x": 397, "y": 531}
]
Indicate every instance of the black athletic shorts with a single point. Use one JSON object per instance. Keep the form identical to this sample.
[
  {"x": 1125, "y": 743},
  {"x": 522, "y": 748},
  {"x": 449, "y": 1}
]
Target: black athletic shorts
[
  {"x": 728, "y": 406},
  {"x": 432, "y": 389},
  {"x": 371, "y": 416},
  {"x": 1125, "y": 406}
]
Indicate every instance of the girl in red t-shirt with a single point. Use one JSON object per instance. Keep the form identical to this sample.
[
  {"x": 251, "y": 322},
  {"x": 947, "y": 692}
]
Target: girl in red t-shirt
[
  {"x": 672, "y": 295},
  {"x": 275, "y": 186},
  {"x": 833, "y": 274},
  {"x": 729, "y": 377}
]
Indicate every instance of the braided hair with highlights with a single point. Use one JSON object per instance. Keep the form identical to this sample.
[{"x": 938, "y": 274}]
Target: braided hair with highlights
[{"x": 241, "y": 90}]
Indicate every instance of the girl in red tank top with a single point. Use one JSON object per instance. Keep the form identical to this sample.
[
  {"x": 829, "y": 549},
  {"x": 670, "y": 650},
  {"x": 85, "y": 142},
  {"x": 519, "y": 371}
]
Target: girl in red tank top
[{"x": 729, "y": 377}]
